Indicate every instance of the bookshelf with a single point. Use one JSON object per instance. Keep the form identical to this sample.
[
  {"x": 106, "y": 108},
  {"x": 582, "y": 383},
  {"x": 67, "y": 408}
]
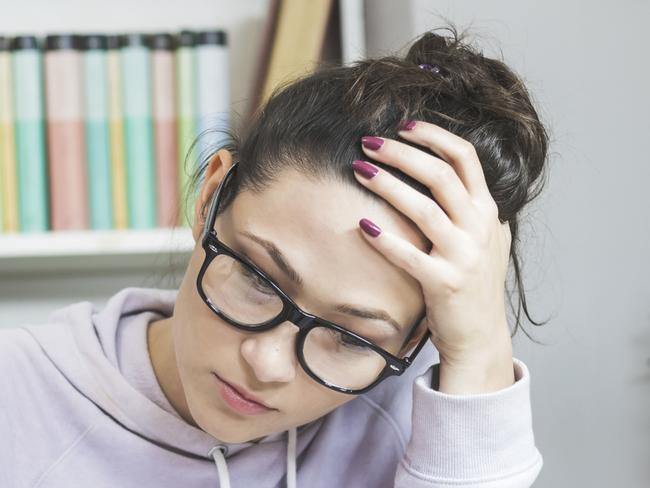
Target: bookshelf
[
  {"x": 50, "y": 251},
  {"x": 43, "y": 271}
]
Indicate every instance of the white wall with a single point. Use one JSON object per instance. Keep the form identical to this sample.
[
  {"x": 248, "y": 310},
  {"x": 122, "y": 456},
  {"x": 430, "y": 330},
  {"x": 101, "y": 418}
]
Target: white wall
[{"x": 588, "y": 237}]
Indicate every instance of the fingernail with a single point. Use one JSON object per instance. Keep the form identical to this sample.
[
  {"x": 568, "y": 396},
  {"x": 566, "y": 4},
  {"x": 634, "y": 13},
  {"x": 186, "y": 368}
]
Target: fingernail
[
  {"x": 371, "y": 142},
  {"x": 364, "y": 168},
  {"x": 369, "y": 228},
  {"x": 407, "y": 125}
]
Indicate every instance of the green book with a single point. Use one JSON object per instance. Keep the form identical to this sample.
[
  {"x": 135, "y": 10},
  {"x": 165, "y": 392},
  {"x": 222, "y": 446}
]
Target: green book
[
  {"x": 138, "y": 131},
  {"x": 30, "y": 134},
  {"x": 97, "y": 131}
]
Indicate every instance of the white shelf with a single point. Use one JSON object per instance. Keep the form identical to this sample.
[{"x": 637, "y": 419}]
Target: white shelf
[
  {"x": 80, "y": 250},
  {"x": 91, "y": 243}
]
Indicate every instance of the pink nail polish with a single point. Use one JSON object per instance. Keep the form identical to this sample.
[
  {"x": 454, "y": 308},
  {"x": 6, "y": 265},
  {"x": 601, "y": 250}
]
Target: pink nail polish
[
  {"x": 371, "y": 142},
  {"x": 364, "y": 168},
  {"x": 407, "y": 125},
  {"x": 369, "y": 228}
]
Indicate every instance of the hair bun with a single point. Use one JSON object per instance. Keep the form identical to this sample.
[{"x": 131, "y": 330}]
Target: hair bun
[{"x": 430, "y": 49}]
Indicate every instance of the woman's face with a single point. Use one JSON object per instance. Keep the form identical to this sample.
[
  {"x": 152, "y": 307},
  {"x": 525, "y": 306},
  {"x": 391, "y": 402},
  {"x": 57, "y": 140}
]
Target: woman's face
[{"x": 315, "y": 227}]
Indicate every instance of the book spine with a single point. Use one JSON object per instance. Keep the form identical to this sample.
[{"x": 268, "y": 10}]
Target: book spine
[
  {"x": 8, "y": 175},
  {"x": 136, "y": 90},
  {"x": 165, "y": 129},
  {"x": 65, "y": 132},
  {"x": 97, "y": 132},
  {"x": 116, "y": 134},
  {"x": 186, "y": 93},
  {"x": 30, "y": 135}
]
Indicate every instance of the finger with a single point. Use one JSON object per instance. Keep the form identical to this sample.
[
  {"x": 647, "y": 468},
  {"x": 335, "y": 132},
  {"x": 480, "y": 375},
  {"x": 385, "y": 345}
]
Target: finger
[
  {"x": 422, "y": 210},
  {"x": 423, "y": 267},
  {"x": 452, "y": 148},
  {"x": 441, "y": 179}
]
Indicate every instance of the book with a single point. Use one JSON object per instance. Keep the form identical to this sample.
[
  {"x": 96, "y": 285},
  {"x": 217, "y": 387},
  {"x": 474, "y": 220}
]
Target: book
[
  {"x": 97, "y": 131},
  {"x": 33, "y": 191},
  {"x": 66, "y": 145},
  {"x": 165, "y": 128},
  {"x": 138, "y": 131},
  {"x": 8, "y": 168},
  {"x": 298, "y": 42}
]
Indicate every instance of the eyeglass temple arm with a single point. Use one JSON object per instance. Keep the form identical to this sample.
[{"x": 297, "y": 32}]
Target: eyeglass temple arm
[
  {"x": 411, "y": 357},
  {"x": 209, "y": 222},
  {"x": 409, "y": 360}
]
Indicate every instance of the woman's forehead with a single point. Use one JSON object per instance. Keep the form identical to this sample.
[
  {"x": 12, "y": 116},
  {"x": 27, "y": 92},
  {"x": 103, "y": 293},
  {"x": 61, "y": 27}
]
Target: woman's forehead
[{"x": 315, "y": 225}]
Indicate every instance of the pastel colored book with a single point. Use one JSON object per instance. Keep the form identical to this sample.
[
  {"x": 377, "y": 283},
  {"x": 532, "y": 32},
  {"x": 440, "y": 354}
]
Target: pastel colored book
[
  {"x": 8, "y": 168},
  {"x": 138, "y": 131},
  {"x": 97, "y": 131},
  {"x": 66, "y": 132},
  {"x": 165, "y": 129},
  {"x": 120, "y": 209},
  {"x": 33, "y": 194}
]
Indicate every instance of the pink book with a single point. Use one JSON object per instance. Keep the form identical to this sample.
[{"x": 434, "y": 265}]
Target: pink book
[
  {"x": 65, "y": 132},
  {"x": 165, "y": 132}
]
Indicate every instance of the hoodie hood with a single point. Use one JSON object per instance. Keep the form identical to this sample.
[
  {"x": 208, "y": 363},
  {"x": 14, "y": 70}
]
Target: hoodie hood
[{"x": 84, "y": 345}]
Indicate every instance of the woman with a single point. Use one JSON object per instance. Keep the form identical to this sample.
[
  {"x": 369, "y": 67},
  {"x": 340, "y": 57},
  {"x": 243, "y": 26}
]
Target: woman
[{"x": 342, "y": 318}]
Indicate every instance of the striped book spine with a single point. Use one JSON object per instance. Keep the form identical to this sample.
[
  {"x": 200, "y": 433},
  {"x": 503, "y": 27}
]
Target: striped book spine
[
  {"x": 30, "y": 134},
  {"x": 8, "y": 175},
  {"x": 186, "y": 97},
  {"x": 165, "y": 130},
  {"x": 116, "y": 133},
  {"x": 66, "y": 133},
  {"x": 136, "y": 89},
  {"x": 97, "y": 132}
]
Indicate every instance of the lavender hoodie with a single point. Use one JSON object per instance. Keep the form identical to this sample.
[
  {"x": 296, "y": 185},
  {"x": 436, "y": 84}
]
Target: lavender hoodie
[{"x": 80, "y": 407}]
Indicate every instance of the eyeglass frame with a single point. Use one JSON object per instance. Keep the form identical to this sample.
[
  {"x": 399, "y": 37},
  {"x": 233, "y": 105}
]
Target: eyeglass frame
[{"x": 213, "y": 247}]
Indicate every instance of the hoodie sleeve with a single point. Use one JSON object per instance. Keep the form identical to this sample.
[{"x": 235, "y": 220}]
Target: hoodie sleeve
[{"x": 471, "y": 441}]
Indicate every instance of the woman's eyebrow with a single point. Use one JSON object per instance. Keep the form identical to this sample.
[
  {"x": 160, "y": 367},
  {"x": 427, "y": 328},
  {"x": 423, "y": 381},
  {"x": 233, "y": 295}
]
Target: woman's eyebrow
[{"x": 278, "y": 257}]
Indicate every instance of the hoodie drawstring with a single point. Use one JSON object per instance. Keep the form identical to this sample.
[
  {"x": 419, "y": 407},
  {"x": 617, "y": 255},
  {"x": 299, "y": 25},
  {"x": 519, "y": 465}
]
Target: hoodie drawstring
[
  {"x": 218, "y": 454},
  {"x": 291, "y": 459}
]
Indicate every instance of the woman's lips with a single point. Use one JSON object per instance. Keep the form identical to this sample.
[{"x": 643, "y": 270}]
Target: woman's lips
[{"x": 239, "y": 399}]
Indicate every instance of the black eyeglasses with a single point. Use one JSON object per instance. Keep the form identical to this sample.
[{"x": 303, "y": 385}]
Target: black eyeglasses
[{"x": 248, "y": 299}]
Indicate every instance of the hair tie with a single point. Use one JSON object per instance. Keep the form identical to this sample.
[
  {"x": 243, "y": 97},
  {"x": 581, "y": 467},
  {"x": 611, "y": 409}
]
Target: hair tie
[{"x": 434, "y": 68}]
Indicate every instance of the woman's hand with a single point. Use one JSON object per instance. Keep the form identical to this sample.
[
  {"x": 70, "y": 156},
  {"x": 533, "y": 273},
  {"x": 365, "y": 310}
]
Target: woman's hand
[{"x": 463, "y": 276}]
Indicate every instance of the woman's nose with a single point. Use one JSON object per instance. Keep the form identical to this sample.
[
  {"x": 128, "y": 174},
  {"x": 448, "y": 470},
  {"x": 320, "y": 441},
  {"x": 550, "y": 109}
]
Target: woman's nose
[{"x": 271, "y": 354}]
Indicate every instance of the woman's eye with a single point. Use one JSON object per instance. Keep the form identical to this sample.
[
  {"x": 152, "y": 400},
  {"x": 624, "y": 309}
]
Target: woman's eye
[
  {"x": 257, "y": 281},
  {"x": 349, "y": 342}
]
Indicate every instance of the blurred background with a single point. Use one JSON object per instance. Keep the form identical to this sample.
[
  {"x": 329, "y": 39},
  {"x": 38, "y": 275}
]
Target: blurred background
[{"x": 585, "y": 240}]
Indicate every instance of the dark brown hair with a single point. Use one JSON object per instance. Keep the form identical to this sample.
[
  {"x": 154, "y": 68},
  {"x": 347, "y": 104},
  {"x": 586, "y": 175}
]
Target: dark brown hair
[{"x": 314, "y": 125}]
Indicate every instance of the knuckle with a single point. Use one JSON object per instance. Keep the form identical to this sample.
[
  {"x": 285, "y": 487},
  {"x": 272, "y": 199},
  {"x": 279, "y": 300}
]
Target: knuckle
[
  {"x": 403, "y": 152},
  {"x": 392, "y": 185},
  {"x": 452, "y": 282},
  {"x": 443, "y": 173},
  {"x": 411, "y": 260},
  {"x": 429, "y": 211},
  {"x": 467, "y": 150}
]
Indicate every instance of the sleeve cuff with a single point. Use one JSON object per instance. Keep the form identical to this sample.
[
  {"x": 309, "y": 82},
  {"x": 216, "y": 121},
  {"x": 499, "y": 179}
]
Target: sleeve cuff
[{"x": 480, "y": 438}]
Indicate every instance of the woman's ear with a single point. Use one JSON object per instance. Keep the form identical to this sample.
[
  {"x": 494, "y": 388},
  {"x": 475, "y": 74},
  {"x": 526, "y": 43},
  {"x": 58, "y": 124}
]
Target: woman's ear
[{"x": 215, "y": 170}]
